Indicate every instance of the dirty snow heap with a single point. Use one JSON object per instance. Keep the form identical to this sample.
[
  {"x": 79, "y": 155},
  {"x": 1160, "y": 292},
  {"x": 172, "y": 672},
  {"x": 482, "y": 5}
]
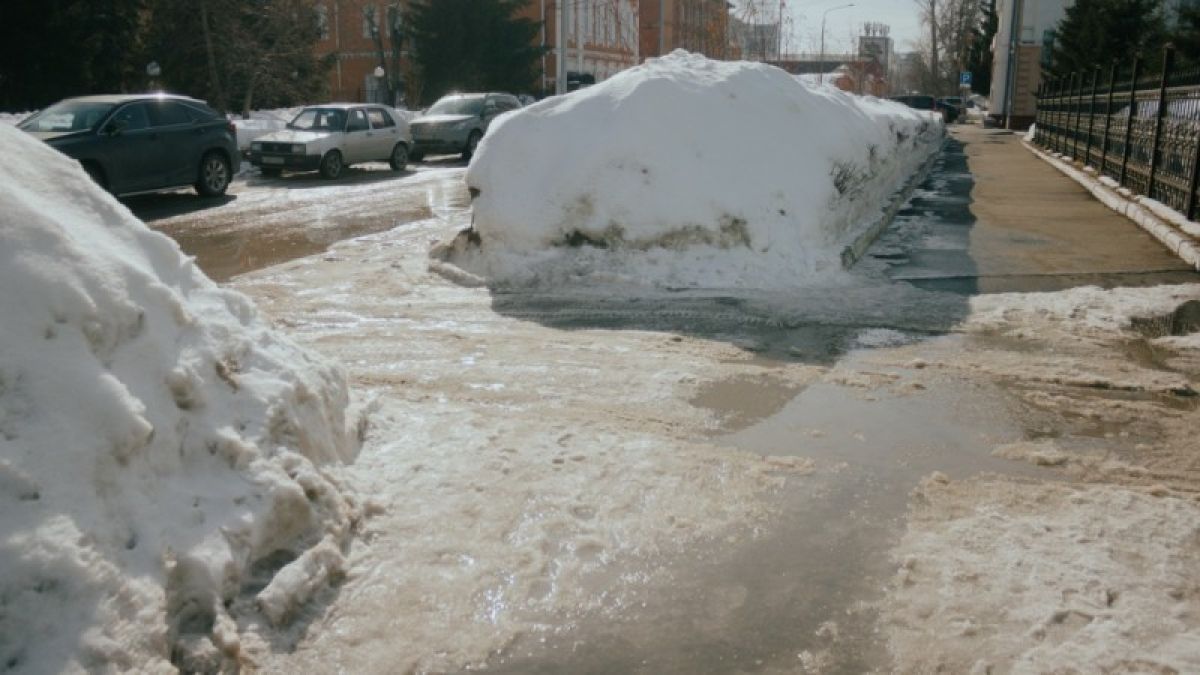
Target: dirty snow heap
[
  {"x": 165, "y": 456},
  {"x": 690, "y": 172}
]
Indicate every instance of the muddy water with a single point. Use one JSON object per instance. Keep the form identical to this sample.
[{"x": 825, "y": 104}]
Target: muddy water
[
  {"x": 267, "y": 221},
  {"x": 800, "y": 594}
]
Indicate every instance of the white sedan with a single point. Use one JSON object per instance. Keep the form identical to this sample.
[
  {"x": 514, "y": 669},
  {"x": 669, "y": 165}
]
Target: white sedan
[{"x": 331, "y": 137}]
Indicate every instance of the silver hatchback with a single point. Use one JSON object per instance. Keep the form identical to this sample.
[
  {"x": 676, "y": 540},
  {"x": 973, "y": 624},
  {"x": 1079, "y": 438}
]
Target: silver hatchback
[{"x": 456, "y": 123}]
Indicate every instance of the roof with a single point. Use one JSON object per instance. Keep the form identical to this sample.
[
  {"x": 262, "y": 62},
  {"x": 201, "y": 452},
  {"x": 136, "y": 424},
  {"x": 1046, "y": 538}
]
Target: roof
[
  {"x": 344, "y": 106},
  {"x": 123, "y": 98}
]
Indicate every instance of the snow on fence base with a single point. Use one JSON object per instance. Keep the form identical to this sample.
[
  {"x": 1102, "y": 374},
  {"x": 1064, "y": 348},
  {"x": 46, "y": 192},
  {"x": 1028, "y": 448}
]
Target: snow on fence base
[
  {"x": 1175, "y": 232},
  {"x": 164, "y": 454},
  {"x": 685, "y": 172}
]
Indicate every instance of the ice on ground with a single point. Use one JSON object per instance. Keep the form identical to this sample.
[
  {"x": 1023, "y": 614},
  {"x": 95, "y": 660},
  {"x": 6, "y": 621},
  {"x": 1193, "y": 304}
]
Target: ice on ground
[
  {"x": 165, "y": 457},
  {"x": 997, "y": 575},
  {"x": 687, "y": 172}
]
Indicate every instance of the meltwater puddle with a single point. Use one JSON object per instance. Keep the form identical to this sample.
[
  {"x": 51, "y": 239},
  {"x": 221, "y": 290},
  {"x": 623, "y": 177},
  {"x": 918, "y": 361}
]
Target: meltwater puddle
[{"x": 801, "y": 594}]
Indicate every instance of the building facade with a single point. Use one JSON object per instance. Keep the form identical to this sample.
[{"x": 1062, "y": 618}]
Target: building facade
[
  {"x": 600, "y": 39},
  {"x": 1024, "y": 38},
  {"x": 700, "y": 26},
  {"x": 348, "y": 38}
]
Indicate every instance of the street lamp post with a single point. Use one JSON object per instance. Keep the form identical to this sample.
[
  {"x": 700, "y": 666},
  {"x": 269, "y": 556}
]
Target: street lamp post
[
  {"x": 153, "y": 70},
  {"x": 821, "y": 63},
  {"x": 379, "y": 75}
]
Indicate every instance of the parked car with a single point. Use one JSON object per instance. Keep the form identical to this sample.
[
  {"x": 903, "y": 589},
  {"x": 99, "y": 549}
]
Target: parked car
[
  {"x": 924, "y": 102},
  {"x": 456, "y": 123},
  {"x": 954, "y": 107},
  {"x": 328, "y": 138},
  {"x": 135, "y": 143}
]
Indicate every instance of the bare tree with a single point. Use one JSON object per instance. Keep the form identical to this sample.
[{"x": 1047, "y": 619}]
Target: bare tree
[
  {"x": 389, "y": 45},
  {"x": 949, "y": 39}
]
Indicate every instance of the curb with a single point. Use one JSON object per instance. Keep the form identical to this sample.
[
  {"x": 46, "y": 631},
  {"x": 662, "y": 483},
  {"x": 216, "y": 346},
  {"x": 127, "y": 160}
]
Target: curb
[
  {"x": 855, "y": 250},
  {"x": 1180, "y": 244}
]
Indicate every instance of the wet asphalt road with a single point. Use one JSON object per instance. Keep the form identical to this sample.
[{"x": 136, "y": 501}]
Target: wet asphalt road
[{"x": 265, "y": 221}]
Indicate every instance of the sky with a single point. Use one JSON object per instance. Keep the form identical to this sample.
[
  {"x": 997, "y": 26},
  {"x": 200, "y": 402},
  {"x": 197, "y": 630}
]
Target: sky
[{"x": 901, "y": 15}]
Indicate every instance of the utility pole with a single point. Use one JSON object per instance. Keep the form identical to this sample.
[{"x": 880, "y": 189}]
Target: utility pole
[
  {"x": 821, "y": 62},
  {"x": 662, "y": 26},
  {"x": 580, "y": 16},
  {"x": 560, "y": 40},
  {"x": 779, "y": 34},
  {"x": 1010, "y": 78}
]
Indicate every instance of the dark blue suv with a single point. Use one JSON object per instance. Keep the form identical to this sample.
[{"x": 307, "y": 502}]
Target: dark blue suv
[{"x": 143, "y": 142}]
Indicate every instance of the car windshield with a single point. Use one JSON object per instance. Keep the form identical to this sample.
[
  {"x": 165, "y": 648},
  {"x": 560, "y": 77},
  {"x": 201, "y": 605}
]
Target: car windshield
[
  {"x": 458, "y": 105},
  {"x": 68, "y": 116},
  {"x": 330, "y": 119}
]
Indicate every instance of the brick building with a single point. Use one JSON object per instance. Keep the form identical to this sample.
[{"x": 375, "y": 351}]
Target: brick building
[
  {"x": 346, "y": 33},
  {"x": 695, "y": 25},
  {"x": 606, "y": 29}
]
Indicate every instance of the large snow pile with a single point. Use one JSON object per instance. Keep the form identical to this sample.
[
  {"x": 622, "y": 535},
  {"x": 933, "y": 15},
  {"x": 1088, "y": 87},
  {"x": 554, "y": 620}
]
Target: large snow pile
[
  {"x": 159, "y": 443},
  {"x": 13, "y": 119},
  {"x": 686, "y": 171}
]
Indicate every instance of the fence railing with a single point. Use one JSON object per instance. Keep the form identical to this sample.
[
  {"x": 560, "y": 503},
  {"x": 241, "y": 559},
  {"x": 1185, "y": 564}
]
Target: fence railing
[{"x": 1142, "y": 130}]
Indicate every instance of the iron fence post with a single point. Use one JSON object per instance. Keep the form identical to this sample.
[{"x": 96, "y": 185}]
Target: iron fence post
[
  {"x": 1052, "y": 116},
  {"x": 1087, "y": 149},
  {"x": 1078, "y": 108},
  {"x": 1064, "y": 118},
  {"x": 1064, "y": 114},
  {"x": 1112, "y": 85},
  {"x": 1168, "y": 62},
  {"x": 1194, "y": 178},
  {"x": 1137, "y": 71}
]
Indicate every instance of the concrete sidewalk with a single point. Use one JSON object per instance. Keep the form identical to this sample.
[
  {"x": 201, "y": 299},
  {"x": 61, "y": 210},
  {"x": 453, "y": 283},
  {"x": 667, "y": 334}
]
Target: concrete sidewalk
[{"x": 1029, "y": 227}]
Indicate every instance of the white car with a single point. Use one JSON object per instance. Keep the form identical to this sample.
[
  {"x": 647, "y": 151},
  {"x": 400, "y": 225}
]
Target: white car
[{"x": 331, "y": 137}]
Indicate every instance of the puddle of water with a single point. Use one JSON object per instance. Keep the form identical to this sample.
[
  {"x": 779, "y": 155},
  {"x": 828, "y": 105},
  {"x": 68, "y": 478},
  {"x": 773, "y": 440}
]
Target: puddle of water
[
  {"x": 742, "y": 401},
  {"x": 802, "y": 593}
]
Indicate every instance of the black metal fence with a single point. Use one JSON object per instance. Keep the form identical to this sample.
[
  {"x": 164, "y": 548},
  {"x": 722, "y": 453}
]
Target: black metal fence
[{"x": 1142, "y": 130}]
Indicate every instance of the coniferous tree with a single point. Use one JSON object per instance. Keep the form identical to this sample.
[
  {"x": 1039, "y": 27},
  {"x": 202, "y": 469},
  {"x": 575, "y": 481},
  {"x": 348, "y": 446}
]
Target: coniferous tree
[
  {"x": 1094, "y": 32},
  {"x": 1186, "y": 35},
  {"x": 980, "y": 59},
  {"x": 59, "y": 48},
  {"x": 237, "y": 54},
  {"x": 472, "y": 45}
]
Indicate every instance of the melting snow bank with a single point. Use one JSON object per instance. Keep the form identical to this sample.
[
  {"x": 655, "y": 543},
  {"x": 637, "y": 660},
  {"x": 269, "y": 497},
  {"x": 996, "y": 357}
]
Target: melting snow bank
[
  {"x": 159, "y": 444},
  {"x": 686, "y": 172}
]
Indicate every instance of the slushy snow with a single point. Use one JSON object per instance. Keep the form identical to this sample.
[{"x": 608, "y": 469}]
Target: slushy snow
[
  {"x": 687, "y": 172},
  {"x": 167, "y": 461}
]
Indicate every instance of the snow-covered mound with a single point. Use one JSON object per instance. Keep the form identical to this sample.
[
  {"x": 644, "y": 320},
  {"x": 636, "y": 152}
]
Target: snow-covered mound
[
  {"x": 13, "y": 119},
  {"x": 691, "y": 172},
  {"x": 159, "y": 444}
]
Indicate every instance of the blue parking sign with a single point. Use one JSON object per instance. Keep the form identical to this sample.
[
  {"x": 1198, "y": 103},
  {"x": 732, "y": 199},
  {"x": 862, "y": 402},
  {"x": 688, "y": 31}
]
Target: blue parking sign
[{"x": 964, "y": 78}]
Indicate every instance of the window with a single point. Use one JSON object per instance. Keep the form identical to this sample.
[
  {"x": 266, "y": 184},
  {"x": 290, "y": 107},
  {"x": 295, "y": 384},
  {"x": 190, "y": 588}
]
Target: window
[
  {"x": 358, "y": 121},
  {"x": 379, "y": 118},
  {"x": 132, "y": 117},
  {"x": 319, "y": 118},
  {"x": 370, "y": 20},
  {"x": 168, "y": 113},
  {"x": 322, "y": 21}
]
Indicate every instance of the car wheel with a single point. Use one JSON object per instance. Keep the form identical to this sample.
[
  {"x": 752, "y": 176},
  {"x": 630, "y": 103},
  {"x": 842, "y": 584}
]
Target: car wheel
[
  {"x": 271, "y": 173},
  {"x": 331, "y": 165},
  {"x": 399, "y": 157},
  {"x": 472, "y": 143},
  {"x": 214, "y": 175}
]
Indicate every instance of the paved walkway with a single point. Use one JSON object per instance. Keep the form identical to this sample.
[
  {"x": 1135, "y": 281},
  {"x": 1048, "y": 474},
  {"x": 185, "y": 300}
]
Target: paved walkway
[{"x": 1028, "y": 227}]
